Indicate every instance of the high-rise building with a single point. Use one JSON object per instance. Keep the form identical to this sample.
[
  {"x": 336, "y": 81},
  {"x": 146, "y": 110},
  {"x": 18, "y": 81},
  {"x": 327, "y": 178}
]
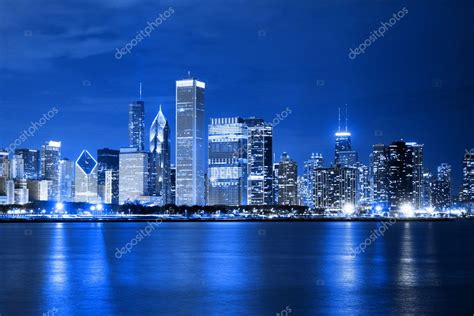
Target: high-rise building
[
  {"x": 190, "y": 147},
  {"x": 287, "y": 181},
  {"x": 344, "y": 156},
  {"x": 405, "y": 175},
  {"x": 67, "y": 170},
  {"x": 306, "y": 188},
  {"x": 108, "y": 175},
  {"x": 364, "y": 193},
  {"x": 133, "y": 175},
  {"x": 31, "y": 160},
  {"x": 275, "y": 187},
  {"x": 466, "y": 195},
  {"x": 136, "y": 125},
  {"x": 441, "y": 188},
  {"x": 173, "y": 184},
  {"x": 427, "y": 189},
  {"x": 4, "y": 164},
  {"x": 86, "y": 179},
  {"x": 160, "y": 159},
  {"x": 259, "y": 162},
  {"x": 335, "y": 188},
  {"x": 50, "y": 156},
  {"x": 227, "y": 154},
  {"x": 21, "y": 196},
  {"x": 378, "y": 176},
  {"x": 38, "y": 190},
  {"x": 17, "y": 167}
]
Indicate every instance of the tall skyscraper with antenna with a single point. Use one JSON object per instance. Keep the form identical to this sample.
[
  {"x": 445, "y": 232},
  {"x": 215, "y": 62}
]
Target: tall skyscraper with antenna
[
  {"x": 344, "y": 156},
  {"x": 136, "y": 123}
]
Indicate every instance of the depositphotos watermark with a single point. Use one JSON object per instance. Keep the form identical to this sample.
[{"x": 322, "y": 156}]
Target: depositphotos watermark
[
  {"x": 142, "y": 34},
  {"x": 276, "y": 120},
  {"x": 31, "y": 131},
  {"x": 376, "y": 34},
  {"x": 141, "y": 234},
  {"x": 374, "y": 235}
]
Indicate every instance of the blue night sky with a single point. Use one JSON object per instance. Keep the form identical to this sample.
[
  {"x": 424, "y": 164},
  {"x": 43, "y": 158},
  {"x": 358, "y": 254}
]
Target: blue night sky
[{"x": 256, "y": 57}]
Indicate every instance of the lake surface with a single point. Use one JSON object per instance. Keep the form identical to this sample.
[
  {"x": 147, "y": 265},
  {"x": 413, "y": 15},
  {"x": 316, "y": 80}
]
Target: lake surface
[{"x": 242, "y": 268}]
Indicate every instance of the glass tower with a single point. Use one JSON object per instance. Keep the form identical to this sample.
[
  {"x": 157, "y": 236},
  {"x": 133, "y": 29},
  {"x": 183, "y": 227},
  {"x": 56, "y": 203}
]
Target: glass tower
[
  {"x": 190, "y": 150},
  {"x": 160, "y": 181},
  {"x": 287, "y": 181},
  {"x": 31, "y": 162},
  {"x": 50, "y": 156},
  {"x": 86, "y": 179},
  {"x": 66, "y": 180},
  {"x": 259, "y": 162},
  {"x": 133, "y": 175},
  {"x": 108, "y": 164},
  {"x": 136, "y": 125},
  {"x": 227, "y": 184}
]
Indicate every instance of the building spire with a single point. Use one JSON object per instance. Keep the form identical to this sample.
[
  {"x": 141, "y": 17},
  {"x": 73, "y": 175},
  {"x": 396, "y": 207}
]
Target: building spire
[
  {"x": 140, "y": 91},
  {"x": 346, "y": 118},
  {"x": 339, "y": 121}
]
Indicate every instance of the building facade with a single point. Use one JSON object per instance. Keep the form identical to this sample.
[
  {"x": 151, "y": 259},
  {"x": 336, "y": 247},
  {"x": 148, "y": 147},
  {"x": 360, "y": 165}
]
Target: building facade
[
  {"x": 85, "y": 187},
  {"x": 227, "y": 154},
  {"x": 133, "y": 175},
  {"x": 50, "y": 157},
  {"x": 190, "y": 137},
  {"x": 136, "y": 125},
  {"x": 287, "y": 181},
  {"x": 259, "y": 162},
  {"x": 160, "y": 159}
]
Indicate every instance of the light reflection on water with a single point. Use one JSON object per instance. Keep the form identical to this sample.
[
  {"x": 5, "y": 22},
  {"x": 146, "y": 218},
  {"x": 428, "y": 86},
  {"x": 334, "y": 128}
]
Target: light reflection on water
[{"x": 234, "y": 268}]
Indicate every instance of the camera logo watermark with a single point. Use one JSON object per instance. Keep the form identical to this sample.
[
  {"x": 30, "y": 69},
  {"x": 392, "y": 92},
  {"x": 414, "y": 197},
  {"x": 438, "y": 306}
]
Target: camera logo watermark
[
  {"x": 142, "y": 34},
  {"x": 376, "y": 34},
  {"x": 141, "y": 234},
  {"x": 374, "y": 235},
  {"x": 469, "y": 154},
  {"x": 31, "y": 131},
  {"x": 284, "y": 312}
]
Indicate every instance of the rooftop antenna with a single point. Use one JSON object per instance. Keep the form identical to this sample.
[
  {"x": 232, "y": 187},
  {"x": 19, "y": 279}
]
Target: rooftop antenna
[
  {"x": 140, "y": 91},
  {"x": 339, "y": 121},
  {"x": 346, "y": 118}
]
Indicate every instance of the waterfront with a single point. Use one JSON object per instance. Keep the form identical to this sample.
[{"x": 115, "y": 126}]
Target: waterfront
[{"x": 236, "y": 268}]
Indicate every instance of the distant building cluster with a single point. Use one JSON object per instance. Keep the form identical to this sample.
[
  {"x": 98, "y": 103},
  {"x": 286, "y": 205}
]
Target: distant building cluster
[{"x": 240, "y": 169}]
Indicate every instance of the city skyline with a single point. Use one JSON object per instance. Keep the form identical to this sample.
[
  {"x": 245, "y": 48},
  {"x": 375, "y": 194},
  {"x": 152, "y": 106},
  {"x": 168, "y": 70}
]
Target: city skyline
[{"x": 272, "y": 62}]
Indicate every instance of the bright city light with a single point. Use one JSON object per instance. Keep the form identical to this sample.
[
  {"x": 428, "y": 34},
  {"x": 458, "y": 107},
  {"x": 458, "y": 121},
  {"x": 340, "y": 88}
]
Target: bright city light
[
  {"x": 59, "y": 206},
  {"x": 348, "y": 209},
  {"x": 407, "y": 210}
]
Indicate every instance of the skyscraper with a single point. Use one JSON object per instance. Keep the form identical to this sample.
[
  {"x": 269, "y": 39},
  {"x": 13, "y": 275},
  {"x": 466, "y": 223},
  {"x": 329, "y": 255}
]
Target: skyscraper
[
  {"x": 287, "y": 181},
  {"x": 335, "y": 187},
  {"x": 441, "y": 188},
  {"x": 405, "y": 175},
  {"x": 66, "y": 180},
  {"x": 259, "y": 162},
  {"x": 190, "y": 154},
  {"x": 108, "y": 188},
  {"x": 227, "y": 171},
  {"x": 160, "y": 152},
  {"x": 136, "y": 125},
  {"x": 378, "y": 176},
  {"x": 307, "y": 187},
  {"x": 31, "y": 159},
  {"x": 50, "y": 156},
  {"x": 344, "y": 156},
  {"x": 133, "y": 175},
  {"x": 17, "y": 167},
  {"x": 86, "y": 179},
  {"x": 173, "y": 184},
  {"x": 466, "y": 195}
]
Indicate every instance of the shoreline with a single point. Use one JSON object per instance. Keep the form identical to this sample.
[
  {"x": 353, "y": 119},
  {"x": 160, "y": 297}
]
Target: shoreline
[{"x": 208, "y": 220}]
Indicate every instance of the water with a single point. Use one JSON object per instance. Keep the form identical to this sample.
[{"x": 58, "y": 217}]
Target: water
[{"x": 236, "y": 269}]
